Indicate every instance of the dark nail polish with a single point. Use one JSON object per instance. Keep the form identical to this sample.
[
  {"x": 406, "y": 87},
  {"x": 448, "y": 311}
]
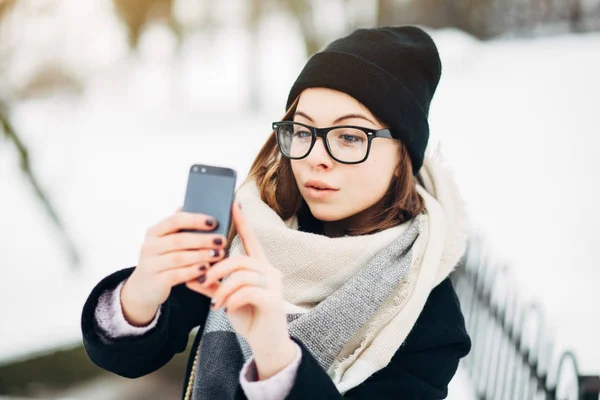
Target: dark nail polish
[
  {"x": 225, "y": 309},
  {"x": 216, "y": 253},
  {"x": 202, "y": 267},
  {"x": 202, "y": 278},
  {"x": 218, "y": 241},
  {"x": 210, "y": 222}
]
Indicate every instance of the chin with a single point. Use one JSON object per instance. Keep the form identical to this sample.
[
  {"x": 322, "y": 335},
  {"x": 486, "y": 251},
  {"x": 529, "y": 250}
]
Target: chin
[{"x": 326, "y": 212}]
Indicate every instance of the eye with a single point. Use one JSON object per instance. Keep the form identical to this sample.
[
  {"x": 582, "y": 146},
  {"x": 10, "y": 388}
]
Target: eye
[
  {"x": 302, "y": 134},
  {"x": 351, "y": 138}
]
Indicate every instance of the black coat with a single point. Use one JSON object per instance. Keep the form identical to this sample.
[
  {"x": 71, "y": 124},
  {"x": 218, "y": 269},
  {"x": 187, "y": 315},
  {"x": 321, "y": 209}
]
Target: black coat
[{"x": 420, "y": 369}]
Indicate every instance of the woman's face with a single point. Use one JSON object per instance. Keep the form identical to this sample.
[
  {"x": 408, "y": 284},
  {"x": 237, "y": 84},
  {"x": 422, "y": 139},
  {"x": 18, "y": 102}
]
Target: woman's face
[{"x": 356, "y": 187}]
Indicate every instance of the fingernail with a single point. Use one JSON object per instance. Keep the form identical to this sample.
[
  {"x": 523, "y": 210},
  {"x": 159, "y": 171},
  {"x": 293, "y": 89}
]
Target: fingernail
[
  {"x": 215, "y": 253},
  {"x": 202, "y": 278},
  {"x": 225, "y": 309},
  {"x": 202, "y": 267},
  {"x": 218, "y": 241},
  {"x": 210, "y": 222}
]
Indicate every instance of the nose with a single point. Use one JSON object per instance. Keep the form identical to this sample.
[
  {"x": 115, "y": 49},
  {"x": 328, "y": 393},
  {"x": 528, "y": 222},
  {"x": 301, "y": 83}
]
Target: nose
[{"x": 318, "y": 156}]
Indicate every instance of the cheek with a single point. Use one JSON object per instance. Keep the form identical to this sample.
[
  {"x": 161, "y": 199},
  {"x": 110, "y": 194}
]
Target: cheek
[
  {"x": 380, "y": 167},
  {"x": 368, "y": 185},
  {"x": 365, "y": 184}
]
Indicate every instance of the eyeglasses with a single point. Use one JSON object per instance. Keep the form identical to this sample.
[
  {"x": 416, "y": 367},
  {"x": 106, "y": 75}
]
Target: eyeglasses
[{"x": 346, "y": 144}]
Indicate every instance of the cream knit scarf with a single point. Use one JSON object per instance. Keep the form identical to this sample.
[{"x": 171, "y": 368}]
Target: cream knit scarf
[{"x": 386, "y": 276}]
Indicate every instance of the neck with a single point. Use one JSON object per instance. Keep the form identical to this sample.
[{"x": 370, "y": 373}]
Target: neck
[
  {"x": 343, "y": 226},
  {"x": 339, "y": 228},
  {"x": 359, "y": 220},
  {"x": 334, "y": 229}
]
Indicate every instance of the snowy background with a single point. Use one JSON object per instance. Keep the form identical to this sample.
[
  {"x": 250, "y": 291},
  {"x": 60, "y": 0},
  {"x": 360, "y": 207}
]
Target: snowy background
[{"x": 516, "y": 118}]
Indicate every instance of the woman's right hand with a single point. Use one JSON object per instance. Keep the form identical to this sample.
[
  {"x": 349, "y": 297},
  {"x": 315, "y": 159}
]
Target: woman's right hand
[{"x": 168, "y": 258}]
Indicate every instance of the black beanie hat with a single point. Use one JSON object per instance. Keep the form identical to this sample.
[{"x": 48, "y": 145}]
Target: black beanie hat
[{"x": 393, "y": 71}]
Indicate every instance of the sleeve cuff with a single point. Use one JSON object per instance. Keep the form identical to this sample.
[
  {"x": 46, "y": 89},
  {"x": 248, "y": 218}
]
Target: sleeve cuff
[
  {"x": 276, "y": 387},
  {"x": 110, "y": 318}
]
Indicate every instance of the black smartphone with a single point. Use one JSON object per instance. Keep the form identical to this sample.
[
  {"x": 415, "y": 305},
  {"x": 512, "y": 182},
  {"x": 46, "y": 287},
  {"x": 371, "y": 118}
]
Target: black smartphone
[{"x": 210, "y": 190}]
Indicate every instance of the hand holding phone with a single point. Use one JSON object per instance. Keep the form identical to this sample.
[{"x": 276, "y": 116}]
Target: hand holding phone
[{"x": 173, "y": 251}]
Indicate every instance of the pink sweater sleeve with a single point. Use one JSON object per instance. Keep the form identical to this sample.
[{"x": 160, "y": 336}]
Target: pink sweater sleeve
[
  {"x": 111, "y": 320},
  {"x": 276, "y": 387}
]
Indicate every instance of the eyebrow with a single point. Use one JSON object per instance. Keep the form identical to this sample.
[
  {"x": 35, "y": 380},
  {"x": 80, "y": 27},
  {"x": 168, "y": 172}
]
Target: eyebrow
[{"x": 338, "y": 120}]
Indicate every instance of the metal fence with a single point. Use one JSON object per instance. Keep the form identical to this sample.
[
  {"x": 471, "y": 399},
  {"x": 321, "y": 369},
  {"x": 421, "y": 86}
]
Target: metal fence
[{"x": 513, "y": 356}]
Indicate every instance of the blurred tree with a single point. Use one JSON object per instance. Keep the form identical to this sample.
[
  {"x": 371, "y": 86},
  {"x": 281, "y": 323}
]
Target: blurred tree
[
  {"x": 302, "y": 11},
  {"x": 486, "y": 19},
  {"x": 137, "y": 14},
  {"x": 6, "y": 5},
  {"x": 48, "y": 78},
  {"x": 254, "y": 18},
  {"x": 576, "y": 15},
  {"x": 34, "y": 86},
  {"x": 385, "y": 9}
]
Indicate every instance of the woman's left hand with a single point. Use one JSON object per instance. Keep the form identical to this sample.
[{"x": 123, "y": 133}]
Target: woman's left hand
[{"x": 256, "y": 312}]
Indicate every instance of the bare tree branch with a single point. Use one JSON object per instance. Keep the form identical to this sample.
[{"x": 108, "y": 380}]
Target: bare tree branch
[{"x": 9, "y": 132}]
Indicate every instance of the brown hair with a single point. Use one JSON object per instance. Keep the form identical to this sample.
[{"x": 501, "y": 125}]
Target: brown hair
[{"x": 278, "y": 188}]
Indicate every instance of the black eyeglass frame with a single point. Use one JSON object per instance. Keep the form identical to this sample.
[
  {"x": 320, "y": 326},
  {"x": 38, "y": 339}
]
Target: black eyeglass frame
[{"x": 322, "y": 133}]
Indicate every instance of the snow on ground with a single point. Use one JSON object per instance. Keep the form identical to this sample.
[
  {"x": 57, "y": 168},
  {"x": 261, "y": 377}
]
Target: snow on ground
[
  {"x": 517, "y": 120},
  {"x": 519, "y": 123}
]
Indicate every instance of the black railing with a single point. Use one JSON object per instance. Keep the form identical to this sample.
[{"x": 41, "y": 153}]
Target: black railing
[{"x": 513, "y": 355}]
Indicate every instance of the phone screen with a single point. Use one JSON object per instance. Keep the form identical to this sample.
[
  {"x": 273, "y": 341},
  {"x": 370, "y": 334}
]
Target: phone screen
[{"x": 210, "y": 191}]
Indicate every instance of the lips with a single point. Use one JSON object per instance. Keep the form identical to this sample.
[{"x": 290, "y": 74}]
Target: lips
[
  {"x": 319, "y": 185},
  {"x": 318, "y": 190}
]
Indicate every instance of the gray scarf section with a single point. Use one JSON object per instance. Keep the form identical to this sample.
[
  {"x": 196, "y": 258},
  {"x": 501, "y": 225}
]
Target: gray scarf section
[{"x": 324, "y": 329}]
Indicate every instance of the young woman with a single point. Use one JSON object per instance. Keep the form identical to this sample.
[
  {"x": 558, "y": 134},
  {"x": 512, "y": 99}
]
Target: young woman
[{"x": 336, "y": 281}]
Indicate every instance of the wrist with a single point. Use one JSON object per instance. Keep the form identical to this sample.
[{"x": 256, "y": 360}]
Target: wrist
[
  {"x": 135, "y": 314},
  {"x": 274, "y": 358}
]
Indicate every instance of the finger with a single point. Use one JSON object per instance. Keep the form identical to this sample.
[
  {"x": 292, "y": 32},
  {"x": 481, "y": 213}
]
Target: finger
[
  {"x": 184, "y": 241},
  {"x": 237, "y": 280},
  {"x": 182, "y": 220},
  {"x": 231, "y": 264},
  {"x": 180, "y": 275},
  {"x": 198, "y": 287},
  {"x": 246, "y": 295},
  {"x": 178, "y": 259},
  {"x": 246, "y": 234}
]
